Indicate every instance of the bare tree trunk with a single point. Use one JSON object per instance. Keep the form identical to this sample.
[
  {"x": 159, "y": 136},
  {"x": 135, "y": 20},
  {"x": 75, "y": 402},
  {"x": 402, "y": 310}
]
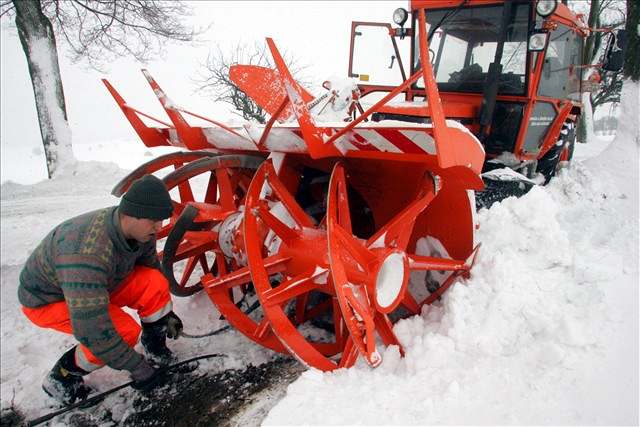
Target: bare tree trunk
[
  {"x": 39, "y": 45},
  {"x": 590, "y": 43},
  {"x": 632, "y": 58},
  {"x": 587, "y": 58}
]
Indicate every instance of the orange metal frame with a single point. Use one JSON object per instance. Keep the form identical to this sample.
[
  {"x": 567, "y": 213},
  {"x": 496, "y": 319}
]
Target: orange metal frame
[{"x": 410, "y": 194}]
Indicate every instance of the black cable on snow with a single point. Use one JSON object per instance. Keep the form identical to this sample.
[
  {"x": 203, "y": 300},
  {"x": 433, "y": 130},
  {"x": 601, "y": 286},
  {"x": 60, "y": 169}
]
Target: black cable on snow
[
  {"x": 224, "y": 328},
  {"x": 96, "y": 398},
  {"x": 209, "y": 334}
]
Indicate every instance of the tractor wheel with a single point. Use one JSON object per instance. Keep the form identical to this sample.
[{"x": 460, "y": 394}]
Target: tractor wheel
[
  {"x": 567, "y": 152},
  {"x": 328, "y": 272},
  {"x": 562, "y": 151}
]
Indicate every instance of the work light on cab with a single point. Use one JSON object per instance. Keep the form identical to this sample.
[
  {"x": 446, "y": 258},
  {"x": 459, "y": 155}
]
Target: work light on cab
[
  {"x": 546, "y": 7},
  {"x": 400, "y": 16},
  {"x": 537, "y": 41}
]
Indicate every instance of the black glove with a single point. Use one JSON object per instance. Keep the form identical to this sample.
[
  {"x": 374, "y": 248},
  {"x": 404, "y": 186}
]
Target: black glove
[
  {"x": 174, "y": 326},
  {"x": 146, "y": 377}
]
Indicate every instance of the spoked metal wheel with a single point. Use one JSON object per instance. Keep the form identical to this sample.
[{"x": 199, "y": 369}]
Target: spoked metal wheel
[
  {"x": 367, "y": 278},
  {"x": 175, "y": 160},
  {"x": 197, "y": 241},
  {"x": 194, "y": 239},
  {"x": 303, "y": 295},
  {"x": 371, "y": 276}
]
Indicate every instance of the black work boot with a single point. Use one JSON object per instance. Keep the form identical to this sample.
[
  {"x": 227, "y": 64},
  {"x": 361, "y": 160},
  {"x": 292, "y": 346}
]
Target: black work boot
[
  {"x": 154, "y": 341},
  {"x": 64, "y": 382}
]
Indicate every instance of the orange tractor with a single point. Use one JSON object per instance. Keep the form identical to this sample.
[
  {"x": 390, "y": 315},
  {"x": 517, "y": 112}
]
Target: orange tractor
[{"x": 339, "y": 228}]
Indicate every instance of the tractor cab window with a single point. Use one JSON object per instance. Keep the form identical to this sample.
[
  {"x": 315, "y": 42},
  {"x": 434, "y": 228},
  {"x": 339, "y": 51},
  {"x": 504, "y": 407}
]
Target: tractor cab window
[
  {"x": 377, "y": 56},
  {"x": 560, "y": 76},
  {"x": 464, "y": 44}
]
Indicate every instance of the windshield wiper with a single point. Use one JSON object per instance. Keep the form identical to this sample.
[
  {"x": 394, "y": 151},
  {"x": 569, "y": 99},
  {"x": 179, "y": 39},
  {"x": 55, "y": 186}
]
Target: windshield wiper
[
  {"x": 492, "y": 83},
  {"x": 446, "y": 16}
]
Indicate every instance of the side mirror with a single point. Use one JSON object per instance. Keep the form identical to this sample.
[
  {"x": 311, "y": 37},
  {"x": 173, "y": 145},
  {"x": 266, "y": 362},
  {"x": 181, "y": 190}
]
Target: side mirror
[{"x": 614, "y": 54}]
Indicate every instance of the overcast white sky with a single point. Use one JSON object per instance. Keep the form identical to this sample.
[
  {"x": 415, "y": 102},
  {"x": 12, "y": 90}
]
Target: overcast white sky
[{"x": 315, "y": 32}]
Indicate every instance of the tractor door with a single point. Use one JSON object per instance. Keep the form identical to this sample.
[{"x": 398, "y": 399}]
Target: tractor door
[
  {"x": 559, "y": 81},
  {"x": 376, "y": 56}
]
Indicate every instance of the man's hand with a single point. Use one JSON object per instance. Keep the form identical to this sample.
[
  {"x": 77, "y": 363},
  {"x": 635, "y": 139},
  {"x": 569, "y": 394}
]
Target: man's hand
[
  {"x": 146, "y": 377},
  {"x": 174, "y": 326}
]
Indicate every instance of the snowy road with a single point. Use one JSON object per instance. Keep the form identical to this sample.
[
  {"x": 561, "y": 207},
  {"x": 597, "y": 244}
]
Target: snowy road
[{"x": 27, "y": 352}]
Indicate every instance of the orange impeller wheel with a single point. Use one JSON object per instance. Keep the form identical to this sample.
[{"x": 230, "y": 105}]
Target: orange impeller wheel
[
  {"x": 198, "y": 253},
  {"x": 192, "y": 239},
  {"x": 371, "y": 277},
  {"x": 300, "y": 302},
  {"x": 330, "y": 275}
]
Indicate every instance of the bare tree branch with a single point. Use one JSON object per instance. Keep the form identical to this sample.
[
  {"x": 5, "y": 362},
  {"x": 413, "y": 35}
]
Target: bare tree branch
[
  {"x": 6, "y": 8},
  {"x": 103, "y": 30},
  {"x": 97, "y": 30},
  {"x": 213, "y": 77}
]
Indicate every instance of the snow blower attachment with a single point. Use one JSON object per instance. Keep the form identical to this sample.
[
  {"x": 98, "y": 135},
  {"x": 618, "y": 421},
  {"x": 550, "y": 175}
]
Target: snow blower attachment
[{"x": 332, "y": 226}]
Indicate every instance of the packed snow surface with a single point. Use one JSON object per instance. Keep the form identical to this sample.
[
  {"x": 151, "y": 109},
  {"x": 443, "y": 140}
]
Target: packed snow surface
[{"x": 544, "y": 332}]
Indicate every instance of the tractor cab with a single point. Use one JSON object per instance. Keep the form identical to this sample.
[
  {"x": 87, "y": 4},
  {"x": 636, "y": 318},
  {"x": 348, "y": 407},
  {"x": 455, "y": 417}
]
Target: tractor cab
[{"x": 510, "y": 71}]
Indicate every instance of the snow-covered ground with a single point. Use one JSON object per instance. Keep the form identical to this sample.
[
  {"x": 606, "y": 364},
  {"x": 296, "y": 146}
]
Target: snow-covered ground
[{"x": 544, "y": 332}]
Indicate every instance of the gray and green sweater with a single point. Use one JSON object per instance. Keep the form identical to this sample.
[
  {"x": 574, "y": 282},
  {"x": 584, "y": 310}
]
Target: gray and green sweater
[{"x": 82, "y": 261}]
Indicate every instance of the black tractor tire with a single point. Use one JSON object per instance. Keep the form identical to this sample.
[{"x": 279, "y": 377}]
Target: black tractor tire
[{"x": 549, "y": 164}]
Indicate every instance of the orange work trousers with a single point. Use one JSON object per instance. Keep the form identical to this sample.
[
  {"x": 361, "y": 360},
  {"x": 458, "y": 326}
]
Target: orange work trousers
[{"x": 145, "y": 290}]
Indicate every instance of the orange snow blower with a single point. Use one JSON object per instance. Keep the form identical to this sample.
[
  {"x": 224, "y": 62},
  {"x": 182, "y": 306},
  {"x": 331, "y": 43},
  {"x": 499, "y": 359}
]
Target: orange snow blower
[{"x": 340, "y": 228}]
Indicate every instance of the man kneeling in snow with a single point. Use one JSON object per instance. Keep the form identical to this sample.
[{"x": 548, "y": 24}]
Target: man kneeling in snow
[{"x": 84, "y": 271}]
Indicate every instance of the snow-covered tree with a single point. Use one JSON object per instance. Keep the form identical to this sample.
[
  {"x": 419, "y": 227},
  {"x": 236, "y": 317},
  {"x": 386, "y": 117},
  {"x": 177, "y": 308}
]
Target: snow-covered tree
[
  {"x": 602, "y": 14},
  {"x": 97, "y": 30}
]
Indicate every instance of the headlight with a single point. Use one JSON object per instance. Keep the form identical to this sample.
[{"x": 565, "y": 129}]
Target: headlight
[
  {"x": 538, "y": 41},
  {"x": 546, "y": 7},
  {"x": 400, "y": 16}
]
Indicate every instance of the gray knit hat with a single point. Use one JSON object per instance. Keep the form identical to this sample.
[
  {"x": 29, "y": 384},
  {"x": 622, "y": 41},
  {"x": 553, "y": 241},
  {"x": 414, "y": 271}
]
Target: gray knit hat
[{"x": 147, "y": 198}]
